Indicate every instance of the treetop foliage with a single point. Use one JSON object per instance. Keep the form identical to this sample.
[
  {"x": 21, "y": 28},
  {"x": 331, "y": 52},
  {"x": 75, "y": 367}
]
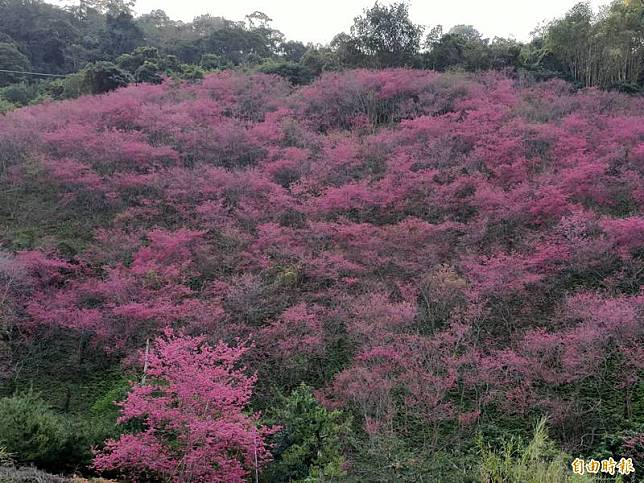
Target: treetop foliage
[{"x": 587, "y": 48}]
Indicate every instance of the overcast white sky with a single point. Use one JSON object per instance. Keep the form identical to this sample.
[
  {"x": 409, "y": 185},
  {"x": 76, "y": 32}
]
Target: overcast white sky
[{"x": 318, "y": 21}]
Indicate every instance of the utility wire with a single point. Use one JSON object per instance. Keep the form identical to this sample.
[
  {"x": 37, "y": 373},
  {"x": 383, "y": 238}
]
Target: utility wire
[{"x": 31, "y": 73}]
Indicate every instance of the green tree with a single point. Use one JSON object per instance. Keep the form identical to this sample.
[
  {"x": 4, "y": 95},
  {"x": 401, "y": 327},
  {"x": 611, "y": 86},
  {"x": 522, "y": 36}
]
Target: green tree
[
  {"x": 43, "y": 32},
  {"x": 475, "y": 49},
  {"x": 122, "y": 34},
  {"x": 170, "y": 64},
  {"x": 21, "y": 93},
  {"x": 619, "y": 32},
  {"x": 135, "y": 59},
  {"x": 235, "y": 44},
  {"x": 148, "y": 72},
  {"x": 387, "y": 35},
  {"x": 446, "y": 52},
  {"x": 504, "y": 53},
  {"x": 605, "y": 49},
  {"x": 212, "y": 61},
  {"x": 158, "y": 29},
  {"x": 311, "y": 440},
  {"x": 109, "y": 6},
  {"x": 12, "y": 59},
  {"x": 569, "y": 39},
  {"x": 320, "y": 59},
  {"x": 463, "y": 47},
  {"x": 102, "y": 77},
  {"x": 293, "y": 50},
  {"x": 467, "y": 32},
  {"x": 348, "y": 52},
  {"x": 260, "y": 23}
]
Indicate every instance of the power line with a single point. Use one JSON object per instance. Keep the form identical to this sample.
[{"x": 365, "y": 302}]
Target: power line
[{"x": 31, "y": 73}]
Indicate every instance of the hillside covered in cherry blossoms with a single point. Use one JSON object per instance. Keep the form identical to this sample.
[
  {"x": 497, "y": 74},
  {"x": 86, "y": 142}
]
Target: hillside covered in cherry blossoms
[{"x": 384, "y": 275}]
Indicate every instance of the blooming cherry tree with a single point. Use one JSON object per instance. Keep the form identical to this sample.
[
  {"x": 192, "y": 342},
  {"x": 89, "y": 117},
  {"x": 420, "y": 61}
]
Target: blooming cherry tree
[{"x": 191, "y": 404}]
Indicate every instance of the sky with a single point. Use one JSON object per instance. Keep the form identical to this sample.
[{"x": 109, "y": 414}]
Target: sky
[{"x": 319, "y": 21}]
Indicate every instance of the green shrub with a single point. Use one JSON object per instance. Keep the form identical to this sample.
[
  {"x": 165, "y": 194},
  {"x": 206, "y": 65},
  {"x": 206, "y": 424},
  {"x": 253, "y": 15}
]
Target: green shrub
[
  {"x": 191, "y": 72},
  {"x": 6, "y": 106},
  {"x": 31, "y": 431},
  {"x": 21, "y": 94},
  {"x": 627, "y": 87}
]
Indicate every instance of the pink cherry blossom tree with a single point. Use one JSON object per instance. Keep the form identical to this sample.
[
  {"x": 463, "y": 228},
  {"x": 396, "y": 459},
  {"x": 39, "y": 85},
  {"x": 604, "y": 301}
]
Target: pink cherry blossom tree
[{"x": 191, "y": 403}]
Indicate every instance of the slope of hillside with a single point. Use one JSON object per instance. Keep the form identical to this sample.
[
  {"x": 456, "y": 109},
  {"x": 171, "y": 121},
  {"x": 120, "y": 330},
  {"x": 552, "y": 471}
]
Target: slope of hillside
[{"x": 438, "y": 255}]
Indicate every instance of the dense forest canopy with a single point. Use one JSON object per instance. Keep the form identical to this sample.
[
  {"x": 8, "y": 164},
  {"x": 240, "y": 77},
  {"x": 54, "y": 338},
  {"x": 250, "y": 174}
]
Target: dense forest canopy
[
  {"x": 409, "y": 255},
  {"x": 604, "y": 48}
]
